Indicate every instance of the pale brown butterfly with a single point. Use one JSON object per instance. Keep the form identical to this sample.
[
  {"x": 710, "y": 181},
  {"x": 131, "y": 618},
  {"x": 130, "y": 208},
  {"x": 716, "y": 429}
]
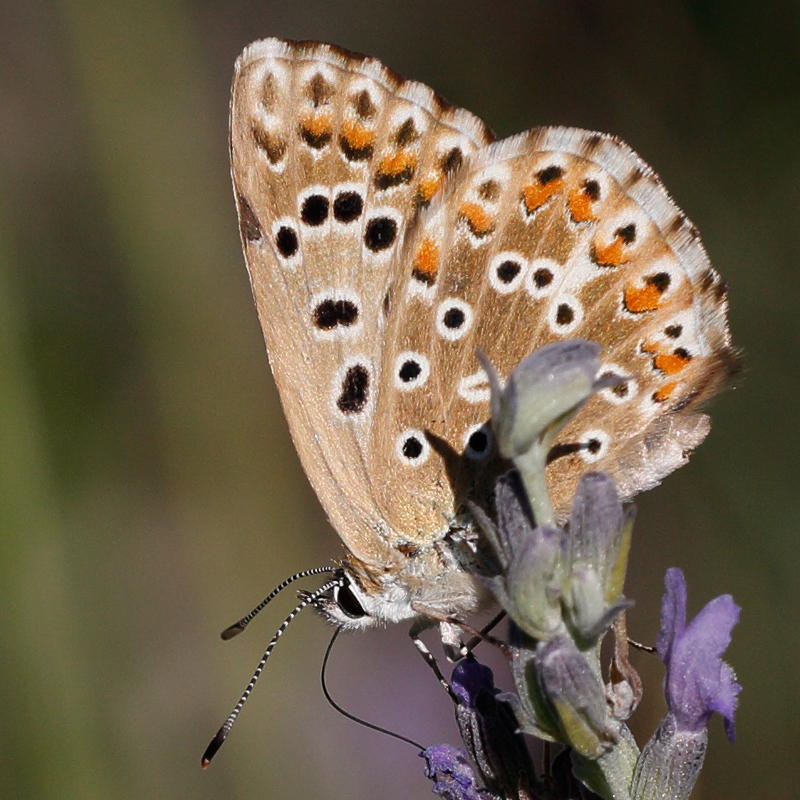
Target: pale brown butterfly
[{"x": 388, "y": 237}]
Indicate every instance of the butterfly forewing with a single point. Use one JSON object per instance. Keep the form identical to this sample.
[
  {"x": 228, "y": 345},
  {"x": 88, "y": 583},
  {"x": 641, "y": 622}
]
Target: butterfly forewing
[{"x": 332, "y": 158}]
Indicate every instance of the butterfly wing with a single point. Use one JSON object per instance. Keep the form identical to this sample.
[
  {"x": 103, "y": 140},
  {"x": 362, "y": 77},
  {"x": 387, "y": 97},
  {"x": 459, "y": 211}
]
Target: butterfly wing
[
  {"x": 332, "y": 155},
  {"x": 372, "y": 314},
  {"x": 551, "y": 234}
]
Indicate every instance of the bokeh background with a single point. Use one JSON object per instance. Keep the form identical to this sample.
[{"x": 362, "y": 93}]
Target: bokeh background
[{"x": 149, "y": 491}]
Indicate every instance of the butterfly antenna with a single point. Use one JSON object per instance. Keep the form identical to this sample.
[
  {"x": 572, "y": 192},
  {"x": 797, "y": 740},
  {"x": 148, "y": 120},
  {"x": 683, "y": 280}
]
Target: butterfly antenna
[
  {"x": 347, "y": 714},
  {"x": 223, "y": 732},
  {"x": 238, "y": 627}
]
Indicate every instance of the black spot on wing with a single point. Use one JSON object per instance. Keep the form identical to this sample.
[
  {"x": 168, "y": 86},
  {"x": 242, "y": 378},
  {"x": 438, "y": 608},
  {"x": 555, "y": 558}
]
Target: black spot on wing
[
  {"x": 489, "y": 190},
  {"x": 363, "y": 105},
  {"x": 330, "y": 314},
  {"x": 454, "y": 318},
  {"x": 412, "y": 448},
  {"x": 627, "y": 233},
  {"x": 409, "y": 370},
  {"x": 660, "y": 281},
  {"x": 355, "y": 390},
  {"x": 508, "y": 270},
  {"x": 347, "y": 206},
  {"x": 286, "y": 241},
  {"x": 352, "y": 153},
  {"x": 564, "y": 314},
  {"x": 591, "y": 189},
  {"x": 542, "y": 277},
  {"x": 388, "y": 180},
  {"x": 674, "y": 331},
  {"x": 380, "y": 234},
  {"x": 549, "y": 174},
  {"x": 452, "y": 161},
  {"x": 316, "y": 140},
  {"x": 273, "y": 146},
  {"x": 319, "y": 91},
  {"x": 315, "y": 210},
  {"x": 406, "y": 134}
]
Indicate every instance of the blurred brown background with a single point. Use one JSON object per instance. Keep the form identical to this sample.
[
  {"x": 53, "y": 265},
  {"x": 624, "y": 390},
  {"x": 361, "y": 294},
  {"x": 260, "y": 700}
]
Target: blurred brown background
[{"x": 150, "y": 493}]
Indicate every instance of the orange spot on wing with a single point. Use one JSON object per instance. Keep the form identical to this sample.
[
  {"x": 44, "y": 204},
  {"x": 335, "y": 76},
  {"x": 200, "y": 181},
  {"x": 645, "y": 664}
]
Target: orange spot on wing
[
  {"x": 611, "y": 255},
  {"x": 479, "y": 220},
  {"x": 580, "y": 206},
  {"x": 358, "y": 136},
  {"x": 671, "y": 363},
  {"x": 665, "y": 392},
  {"x": 641, "y": 299},
  {"x": 318, "y": 124},
  {"x": 426, "y": 260},
  {"x": 428, "y": 188},
  {"x": 537, "y": 194},
  {"x": 397, "y": 162}
]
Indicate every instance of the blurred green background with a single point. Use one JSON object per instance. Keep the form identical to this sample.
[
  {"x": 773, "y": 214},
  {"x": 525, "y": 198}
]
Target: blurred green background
[{"x": 150, "y": 493}]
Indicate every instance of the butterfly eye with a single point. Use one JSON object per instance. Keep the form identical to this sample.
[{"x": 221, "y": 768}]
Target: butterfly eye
[{"x": 347, "y": 601}]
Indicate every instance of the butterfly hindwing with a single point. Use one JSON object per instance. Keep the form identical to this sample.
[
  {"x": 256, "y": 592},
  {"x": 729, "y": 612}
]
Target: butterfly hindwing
[{"x": 552, "y": 234}]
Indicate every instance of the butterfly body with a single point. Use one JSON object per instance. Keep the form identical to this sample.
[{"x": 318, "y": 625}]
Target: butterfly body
[{"x": 387, "y": 238}]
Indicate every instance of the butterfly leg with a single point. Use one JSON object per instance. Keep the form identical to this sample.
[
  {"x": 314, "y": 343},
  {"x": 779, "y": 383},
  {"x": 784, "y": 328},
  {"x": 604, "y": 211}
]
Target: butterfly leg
[
  {"x": 483, "y": 636},
  {"x": 453, "y": 647},
  {"x": 416, "y": 630},
  {"x": 451, "y": 629}
]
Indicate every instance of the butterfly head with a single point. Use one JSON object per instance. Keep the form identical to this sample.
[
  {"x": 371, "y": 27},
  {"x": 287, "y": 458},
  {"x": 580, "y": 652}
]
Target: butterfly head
[
  {"x": 344, "y": 604},
  {"x": 358, "y": 600}
]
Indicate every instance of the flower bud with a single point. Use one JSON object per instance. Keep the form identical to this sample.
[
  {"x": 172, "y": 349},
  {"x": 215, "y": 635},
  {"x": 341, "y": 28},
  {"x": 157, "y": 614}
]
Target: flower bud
[
  {"x": 576, "y": 697},
  {"x": 598, "y": 544},
  {"x": 528, "y": 585},
  {"x": 490, "y": 731},
  {"x": 533, "y": 583},
  {"x": 542, "y": 393}
]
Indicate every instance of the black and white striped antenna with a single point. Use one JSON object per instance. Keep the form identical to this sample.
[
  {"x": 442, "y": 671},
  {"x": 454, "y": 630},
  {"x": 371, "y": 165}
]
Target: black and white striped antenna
[{"x": 238, "y": 627}]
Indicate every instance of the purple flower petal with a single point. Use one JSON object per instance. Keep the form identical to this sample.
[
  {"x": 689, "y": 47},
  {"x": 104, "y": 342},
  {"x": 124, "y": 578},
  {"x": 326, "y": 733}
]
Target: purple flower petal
[
  {"x": 698, "y": 681},
  {"x": 725, "y": 701},
  {"x": 452, "y": 774},
  {"x": 673, "y": 612},
  {"x": 469, "y": 677}
]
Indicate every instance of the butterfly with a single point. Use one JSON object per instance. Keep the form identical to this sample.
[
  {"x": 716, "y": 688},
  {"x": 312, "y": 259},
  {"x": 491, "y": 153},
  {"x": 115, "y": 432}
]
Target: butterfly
[{"x": 388, "y": 237}]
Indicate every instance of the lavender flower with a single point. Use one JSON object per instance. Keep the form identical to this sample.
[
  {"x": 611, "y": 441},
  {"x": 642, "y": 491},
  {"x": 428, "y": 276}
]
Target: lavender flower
[
  {"x": 545, "y": 578},
  {"x": 549, "y": 580},
  {"x": 576, "y": 698},
  {"x": 490, "y": 731},
  {"x": 698, "y": 682},
  {"x": 452, "y": 774},
  {"x": 562, "y": 588}
]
